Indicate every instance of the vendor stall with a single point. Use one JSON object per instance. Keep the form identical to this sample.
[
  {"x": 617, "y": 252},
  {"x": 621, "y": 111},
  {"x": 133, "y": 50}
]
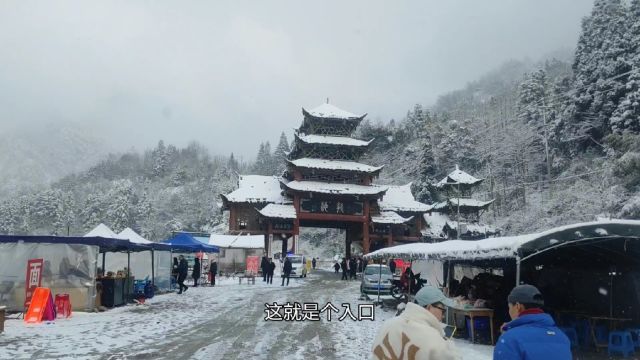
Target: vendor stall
[
  {"x": 588, "y": 268},
  {"x": 69, "y": 265}
]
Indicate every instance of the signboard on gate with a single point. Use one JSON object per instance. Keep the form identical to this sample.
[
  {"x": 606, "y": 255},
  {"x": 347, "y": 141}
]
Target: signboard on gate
[
  {"x": 34, "y": 279},
  {"x": 252, "y": 264}
]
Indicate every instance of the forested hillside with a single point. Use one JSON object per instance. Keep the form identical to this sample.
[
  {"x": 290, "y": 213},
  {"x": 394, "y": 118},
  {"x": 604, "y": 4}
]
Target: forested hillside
[{"x": 165, "y": 189}]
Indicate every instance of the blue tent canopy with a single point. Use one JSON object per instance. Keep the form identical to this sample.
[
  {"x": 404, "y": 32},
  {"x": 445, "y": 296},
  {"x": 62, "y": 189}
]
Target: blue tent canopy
[
  {"x": 186, "y": 242},
  {"x": 105, "y": 244}
]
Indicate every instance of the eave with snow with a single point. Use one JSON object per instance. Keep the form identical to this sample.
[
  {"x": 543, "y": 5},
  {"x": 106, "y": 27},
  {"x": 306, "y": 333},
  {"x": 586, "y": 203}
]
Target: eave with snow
[
  {"x": 335, "y": 165},
  {"x": 458, "y": 177},
  {"x": 466, "y": 205},
  {"x": 400, "y": 199},
  {"x": 318, "y": 187}
]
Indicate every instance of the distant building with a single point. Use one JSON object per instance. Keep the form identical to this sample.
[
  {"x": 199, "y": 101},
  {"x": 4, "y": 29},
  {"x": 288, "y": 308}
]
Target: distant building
[{"x": 459, "y": 211}]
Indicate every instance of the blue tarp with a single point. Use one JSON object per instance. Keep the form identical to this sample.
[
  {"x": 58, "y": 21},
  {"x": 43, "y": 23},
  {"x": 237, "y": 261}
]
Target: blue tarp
[
  {"x": 105, "y": 244},
  {"x": 186, "y": 242}
]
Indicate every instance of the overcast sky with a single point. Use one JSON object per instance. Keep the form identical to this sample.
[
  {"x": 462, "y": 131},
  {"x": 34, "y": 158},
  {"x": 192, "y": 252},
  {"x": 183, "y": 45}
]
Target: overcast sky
[{"x": 232, "y": 74}]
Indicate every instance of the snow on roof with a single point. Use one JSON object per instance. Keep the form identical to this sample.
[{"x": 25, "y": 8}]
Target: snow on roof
[
  {"x": 329, "y": 111},
  {"x": 257, "y": 189},
  {"x": 389, "y": 217},
  {"x": 458, "y": 177},
  {"x": 279, "y": 211},
  {"x": 104, "y": 231},
  {"x": 334, "y": 165},
  {"x": 463, "y": 202},
  {"x": 237, "y": 241},
  {"x": 400, "y": 198},
  {"x": 499, "y": 247},
  {"x": 133, "y": 236},
  {"x": 335, "y": 188},
  {"x": 332, "y": 140}
]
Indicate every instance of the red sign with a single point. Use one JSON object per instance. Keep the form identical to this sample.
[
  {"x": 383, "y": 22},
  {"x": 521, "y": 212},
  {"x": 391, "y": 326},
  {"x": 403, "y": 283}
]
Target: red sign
[
  {"x": 252, "y": 264},
  {"x": 34, "y": 279}
]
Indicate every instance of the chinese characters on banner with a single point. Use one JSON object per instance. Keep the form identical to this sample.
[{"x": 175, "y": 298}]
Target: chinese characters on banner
[
  {"x": 34, "y": 279},
  {"x": 252, "y": 264}
]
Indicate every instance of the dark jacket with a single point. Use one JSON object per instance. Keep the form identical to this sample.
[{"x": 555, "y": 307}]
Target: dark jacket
[
  {"x": 196, "y": 269},
  {"x": 336, "y": 266},
  {"x": 183, "y": 268},
  {"x": 264, "y": 264},
  {"x": 270, "y": 268},
  {"x": 532, "y": 337},
  {"x": 214, "y": 268},
  {"x": 343, "y": 265},
  {"x": 287, "y": 267},
  {"x": 353, "y": 266}
]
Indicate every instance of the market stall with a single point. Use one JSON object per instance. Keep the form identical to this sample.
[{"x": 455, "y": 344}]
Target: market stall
[
  {"x": 591, "y": 269},
  {"x": 66, "y": 265}
]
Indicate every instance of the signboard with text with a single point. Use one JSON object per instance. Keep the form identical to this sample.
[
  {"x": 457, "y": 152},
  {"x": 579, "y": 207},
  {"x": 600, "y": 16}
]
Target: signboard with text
[
  {"x": 252, "y": 264},
  {"x": 331, "y": 207},
  {"x": 34, "y": 278}
]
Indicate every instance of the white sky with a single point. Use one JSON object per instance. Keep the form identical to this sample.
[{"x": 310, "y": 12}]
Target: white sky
[{"x": 232, "y": 74}]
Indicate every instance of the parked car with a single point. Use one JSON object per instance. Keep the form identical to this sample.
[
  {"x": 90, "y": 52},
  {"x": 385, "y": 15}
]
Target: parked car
[
  {"x": 298, "y": 265},
  {"x": 376, "y": 277}
]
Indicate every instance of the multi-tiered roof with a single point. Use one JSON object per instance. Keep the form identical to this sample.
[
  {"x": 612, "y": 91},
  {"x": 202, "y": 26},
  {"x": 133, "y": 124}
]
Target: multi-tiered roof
[
  {"x": 326, "y": 185},
  {"x": 324, "y": 156}
]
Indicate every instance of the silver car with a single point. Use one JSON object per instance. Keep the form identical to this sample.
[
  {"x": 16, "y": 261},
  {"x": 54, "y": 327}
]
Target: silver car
[{"x": 376, "y": 277}]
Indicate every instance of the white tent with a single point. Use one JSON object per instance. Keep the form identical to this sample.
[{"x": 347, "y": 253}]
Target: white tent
[{"x": 104, "y": 231}]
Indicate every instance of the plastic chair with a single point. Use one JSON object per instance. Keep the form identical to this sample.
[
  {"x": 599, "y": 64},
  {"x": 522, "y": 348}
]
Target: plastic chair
[
  {"x": 621, "y": 342},
  {"x": 635, "y": 336},
  {"x": 63, "y": 305},
  {"x": 572, "y": 334},
  {"x": 602, "y": 334},
  {"x": 481, "y": 325}
]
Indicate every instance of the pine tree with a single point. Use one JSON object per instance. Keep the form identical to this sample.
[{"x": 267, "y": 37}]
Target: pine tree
[
  {"x": 280, "y": 154},
  {"x": 599, "y": 66},
  {"x": 121, "y": 210},
  {"x": 160, "y": 161},
  {"x": 626, "y": 117}
]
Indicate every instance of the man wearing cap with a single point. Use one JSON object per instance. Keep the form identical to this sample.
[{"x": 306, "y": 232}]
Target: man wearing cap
[
  {"x": 417, "y": 333},
  {"x": 532, "y": 334}
]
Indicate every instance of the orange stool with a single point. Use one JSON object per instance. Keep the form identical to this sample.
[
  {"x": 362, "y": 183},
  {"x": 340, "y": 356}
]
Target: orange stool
[{"x": 63, "y": 305}]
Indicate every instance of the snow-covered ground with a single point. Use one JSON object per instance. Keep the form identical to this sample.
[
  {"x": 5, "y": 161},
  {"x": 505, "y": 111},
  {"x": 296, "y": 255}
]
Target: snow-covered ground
[{"x": 222, "y": 322}]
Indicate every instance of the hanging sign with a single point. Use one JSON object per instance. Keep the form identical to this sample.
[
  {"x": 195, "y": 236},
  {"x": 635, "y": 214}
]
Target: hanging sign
[{"x": 34, "y": 279}]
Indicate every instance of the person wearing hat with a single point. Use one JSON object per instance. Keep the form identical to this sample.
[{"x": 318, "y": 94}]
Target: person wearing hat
[
  {"x": 417, "y": 333},
  {"x": 531, "y": 334}
]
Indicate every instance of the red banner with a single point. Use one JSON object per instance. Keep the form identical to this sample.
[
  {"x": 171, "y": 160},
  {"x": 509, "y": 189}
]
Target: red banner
[
  {"x": 252, "y": 264},
  {"x": 34, "y": 279}
]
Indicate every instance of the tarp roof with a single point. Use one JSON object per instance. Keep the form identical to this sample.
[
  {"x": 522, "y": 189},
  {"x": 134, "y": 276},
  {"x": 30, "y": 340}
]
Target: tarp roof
[
  {"x": 237, "y": 241},
  {"x": 512, "y": 246},
  {"x": 186, "y": 242},
  {"x": 105, "y": 244}
]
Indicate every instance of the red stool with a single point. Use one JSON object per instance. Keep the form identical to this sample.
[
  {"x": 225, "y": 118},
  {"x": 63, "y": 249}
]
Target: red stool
[{"x": 63, "y": 305}]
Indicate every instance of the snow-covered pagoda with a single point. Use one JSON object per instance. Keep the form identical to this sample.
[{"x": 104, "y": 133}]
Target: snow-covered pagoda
[
  {"x": 324, "y": 185},
  {"x": 459, "y": 211}
]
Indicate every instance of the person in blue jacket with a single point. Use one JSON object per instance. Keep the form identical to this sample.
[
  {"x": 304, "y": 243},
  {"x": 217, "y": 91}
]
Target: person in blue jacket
[{"x": 531, "y": 334}]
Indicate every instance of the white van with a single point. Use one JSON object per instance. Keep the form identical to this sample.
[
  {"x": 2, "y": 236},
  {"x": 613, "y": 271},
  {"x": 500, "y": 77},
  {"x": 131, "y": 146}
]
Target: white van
[{"x": 298, "y": 265}]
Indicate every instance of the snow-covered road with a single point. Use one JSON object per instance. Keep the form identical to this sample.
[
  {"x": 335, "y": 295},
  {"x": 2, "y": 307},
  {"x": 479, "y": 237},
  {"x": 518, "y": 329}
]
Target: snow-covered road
[{"x": 222, "y": 322}]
